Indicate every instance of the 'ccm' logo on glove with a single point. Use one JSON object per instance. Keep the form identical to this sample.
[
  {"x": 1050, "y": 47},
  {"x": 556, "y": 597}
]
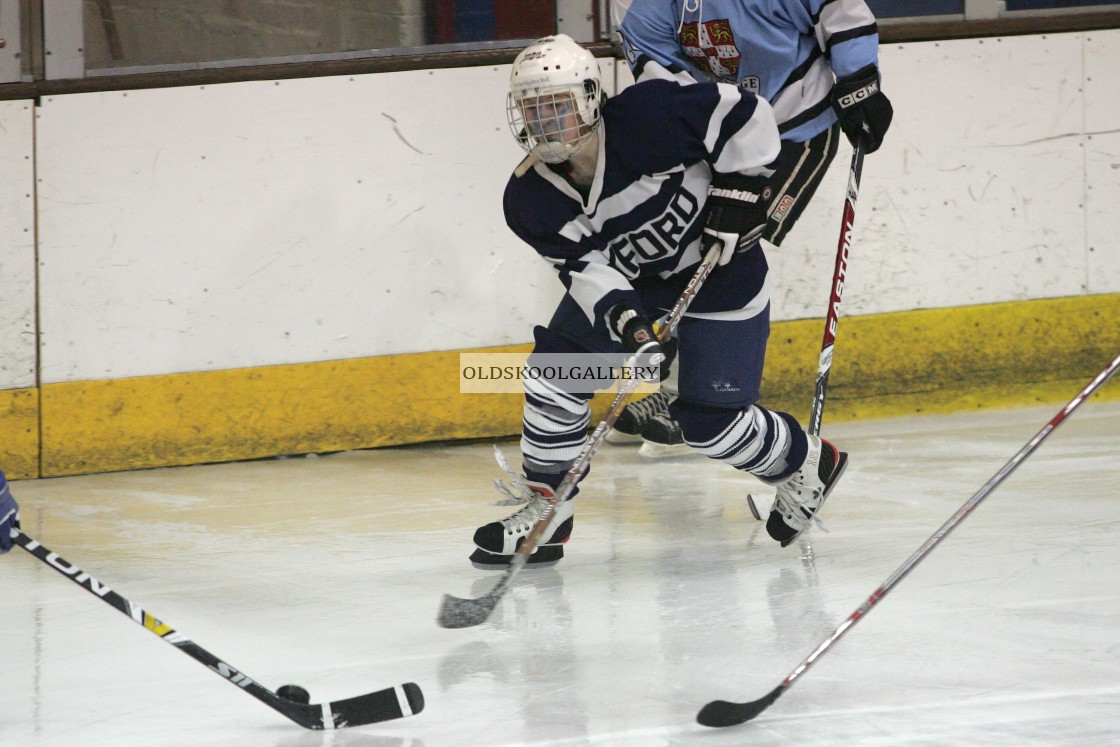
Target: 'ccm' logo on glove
[{"x": 855, "y": 97}]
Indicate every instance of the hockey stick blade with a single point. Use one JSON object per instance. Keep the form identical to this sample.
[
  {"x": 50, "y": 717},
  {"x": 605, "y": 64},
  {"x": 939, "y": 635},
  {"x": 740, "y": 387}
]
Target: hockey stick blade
[
  {"x": 383, "y": 705},
  {"x": 721, "y": 713},
  {"x": 456, "y": 612}
]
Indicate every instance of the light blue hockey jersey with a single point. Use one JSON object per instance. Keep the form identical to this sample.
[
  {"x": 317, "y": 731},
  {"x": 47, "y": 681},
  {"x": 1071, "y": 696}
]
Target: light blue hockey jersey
[{"x": 790, "y": 52}]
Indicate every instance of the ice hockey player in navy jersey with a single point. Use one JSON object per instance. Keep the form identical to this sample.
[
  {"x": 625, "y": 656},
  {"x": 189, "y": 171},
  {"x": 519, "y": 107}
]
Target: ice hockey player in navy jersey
[
  {"x": 815, "y": 61},
  {"x": 621, "y": 196}
]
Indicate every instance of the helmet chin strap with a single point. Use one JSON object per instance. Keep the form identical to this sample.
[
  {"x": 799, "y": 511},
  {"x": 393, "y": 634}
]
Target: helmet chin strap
[{"x": 581, "y": 166}]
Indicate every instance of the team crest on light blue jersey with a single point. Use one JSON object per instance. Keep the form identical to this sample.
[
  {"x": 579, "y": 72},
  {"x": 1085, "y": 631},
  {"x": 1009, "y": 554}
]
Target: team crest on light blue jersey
[{"x": 711, "y": 46}]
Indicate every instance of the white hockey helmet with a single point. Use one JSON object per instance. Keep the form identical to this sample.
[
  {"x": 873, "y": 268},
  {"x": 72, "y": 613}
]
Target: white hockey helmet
[{"x": 555, "y": 98}]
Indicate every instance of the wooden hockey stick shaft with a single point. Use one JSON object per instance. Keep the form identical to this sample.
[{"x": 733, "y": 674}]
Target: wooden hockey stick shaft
[{"x": 456, "y": 612}]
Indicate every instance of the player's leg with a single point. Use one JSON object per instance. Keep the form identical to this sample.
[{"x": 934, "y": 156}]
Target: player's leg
[
  {"x": 721, "y": 358},
  {"x": 554, "y": 430},
  {"x": 801, "y": 167}
]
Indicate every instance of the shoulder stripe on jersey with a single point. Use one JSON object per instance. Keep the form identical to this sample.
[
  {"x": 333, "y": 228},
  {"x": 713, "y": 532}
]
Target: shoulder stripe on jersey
[
  {"x": 644, "y": 59},
  {"x": 842, "y": 36}
]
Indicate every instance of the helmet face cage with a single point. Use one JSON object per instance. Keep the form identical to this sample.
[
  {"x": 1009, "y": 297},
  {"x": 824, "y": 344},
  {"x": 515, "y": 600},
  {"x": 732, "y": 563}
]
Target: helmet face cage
[
  {"x": 553, "y": 107},
  {"x": 554, "y": 122}
]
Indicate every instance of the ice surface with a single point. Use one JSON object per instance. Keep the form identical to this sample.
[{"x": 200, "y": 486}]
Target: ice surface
[{"x": 328, "y": 573}]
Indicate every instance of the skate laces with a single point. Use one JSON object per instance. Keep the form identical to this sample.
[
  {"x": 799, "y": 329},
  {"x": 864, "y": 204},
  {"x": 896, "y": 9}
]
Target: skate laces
[
  {"x": 668, "y": 425},
  {"x": 789, "y": 503},
  {"x": 522, "y": 521},
  {"x": 513, "y": 487},
  {"x": 517, "y": 492},
  {"x": 651, "y": 406}
]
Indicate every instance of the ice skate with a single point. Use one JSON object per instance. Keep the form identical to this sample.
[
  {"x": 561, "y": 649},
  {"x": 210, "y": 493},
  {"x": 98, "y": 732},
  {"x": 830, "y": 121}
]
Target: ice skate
[
  {"x": 498, "y": 541},
  {"x": 662, "y": 438},
  {"x": 801, "y": 495},
  {"x": 628, "y": 428}
]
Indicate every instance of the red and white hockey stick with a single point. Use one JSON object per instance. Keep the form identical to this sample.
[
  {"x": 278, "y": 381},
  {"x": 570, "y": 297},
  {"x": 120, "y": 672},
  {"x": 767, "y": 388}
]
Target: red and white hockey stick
[
  {"x": 724, "y": 713},
  {"x": 832, "y": 319}
]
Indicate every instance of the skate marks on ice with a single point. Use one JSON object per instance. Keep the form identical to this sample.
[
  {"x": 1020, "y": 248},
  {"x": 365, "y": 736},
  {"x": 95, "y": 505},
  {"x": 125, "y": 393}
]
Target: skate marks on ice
[{"x": 670, "y": 595}]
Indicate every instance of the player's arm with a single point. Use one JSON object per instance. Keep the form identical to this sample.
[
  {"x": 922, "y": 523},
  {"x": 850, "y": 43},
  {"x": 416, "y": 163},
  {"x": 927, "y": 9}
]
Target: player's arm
[
  {"x": 735, "y": 132},
  {"x": 848, "y": 34},
  {"x": 608, "y": 299},
  {"x": 603, "y": 293}
]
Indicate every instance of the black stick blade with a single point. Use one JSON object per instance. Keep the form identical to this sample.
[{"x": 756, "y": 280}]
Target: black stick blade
[
  {"x": 721, "y": 713},
  {"x": 455, "y": 612},
  {"x": 383, "y": 705}
]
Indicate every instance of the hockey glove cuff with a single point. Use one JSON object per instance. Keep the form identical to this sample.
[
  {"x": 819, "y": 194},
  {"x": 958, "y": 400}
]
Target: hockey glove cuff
[
  {"x": 736, "y": 213},
  {"x": 865, "y": 113},
  {"x": 638, "y": 340}
]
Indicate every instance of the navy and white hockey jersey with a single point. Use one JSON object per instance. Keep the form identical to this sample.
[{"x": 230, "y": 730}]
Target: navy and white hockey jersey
[
  {"x": 790, "y": 52},
  {"x": 643, "y": 214}
]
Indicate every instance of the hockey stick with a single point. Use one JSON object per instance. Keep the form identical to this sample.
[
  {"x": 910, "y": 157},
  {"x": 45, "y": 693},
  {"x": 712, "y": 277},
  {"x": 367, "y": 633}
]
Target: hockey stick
[
  {"x": 724, "y": 713},
  {"x": 456, "y": 612},
  {"x": 383, "y": 705},
  {"x": 832, "y": 319}
]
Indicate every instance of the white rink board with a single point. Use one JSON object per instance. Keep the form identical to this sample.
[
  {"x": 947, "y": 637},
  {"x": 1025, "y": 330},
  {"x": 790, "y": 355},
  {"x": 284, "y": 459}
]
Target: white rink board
[
  {"x": 1102, "y": 159},
  {"x": 263, "y": 223},
  {"x": 17, "y": 246},
  {"x": 976, "y": 195}
]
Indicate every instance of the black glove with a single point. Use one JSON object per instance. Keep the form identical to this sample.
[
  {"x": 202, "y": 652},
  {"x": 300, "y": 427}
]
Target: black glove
[
  {"x": 638, "y": 340},
  {"x": 864, "y": 112},
  {"x": 736, "y": 213}
]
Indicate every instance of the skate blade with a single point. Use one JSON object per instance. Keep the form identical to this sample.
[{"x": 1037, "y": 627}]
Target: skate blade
[
  {"x": 528, "y": 566},
  {"x": 618, "y": 438},
  {"x": 545, "y": 557},
  {"x": 651, "y": 450}
]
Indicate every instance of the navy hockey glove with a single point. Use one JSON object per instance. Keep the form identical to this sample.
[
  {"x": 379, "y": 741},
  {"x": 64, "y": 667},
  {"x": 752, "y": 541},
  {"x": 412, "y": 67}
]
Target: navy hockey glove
[
  {"x": 9, "y": 514},
  {"x": 864, "y": 112},
  {"x": 638, "y": 340},
  {"x": 736, "y": 213}
]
